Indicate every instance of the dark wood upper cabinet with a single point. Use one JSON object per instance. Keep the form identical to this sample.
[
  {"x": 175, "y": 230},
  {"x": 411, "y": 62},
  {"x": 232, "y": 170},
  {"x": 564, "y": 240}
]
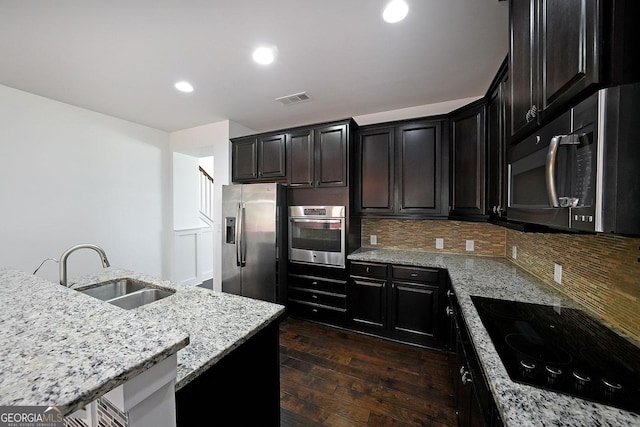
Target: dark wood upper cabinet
[
  {"x": 331, "y": 156},
  {"x": 375, "y": 163},
  {"x": 272, "y": 156},
  {"x": 419, "y": 154},
  {"x": 401, "y": 171},
  {"x": 569, "y": 50},
  {"x": 563, "y": 50},
  {"x": 497, "y": 110},
  {"x": 523, "y": 65},
  {"x": 468, "y": 161},
  {"x": 258, "y": 158},
  {"x": 319, "y": 155},
  {"x": 309, "y": 156},
  {"x": 245, "y": 159},
  {"x": 301, "y": 159}
]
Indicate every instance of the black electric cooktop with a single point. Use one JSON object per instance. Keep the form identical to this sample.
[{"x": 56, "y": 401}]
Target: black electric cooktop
[{"x": 564, "y": 350}]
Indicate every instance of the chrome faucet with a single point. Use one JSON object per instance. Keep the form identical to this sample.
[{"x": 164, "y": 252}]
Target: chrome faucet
[{"x": 65, "y": 255}]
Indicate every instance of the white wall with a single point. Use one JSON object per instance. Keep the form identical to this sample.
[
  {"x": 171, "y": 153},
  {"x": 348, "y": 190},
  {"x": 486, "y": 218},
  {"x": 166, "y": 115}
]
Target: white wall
[
  {"x": 206, "y": 163},
  {"x": 413, "y": 112},
  {"x": 186, "y": 192},
  {"x": 69, "y": 176},
  {"x": 203, "y": 140}
]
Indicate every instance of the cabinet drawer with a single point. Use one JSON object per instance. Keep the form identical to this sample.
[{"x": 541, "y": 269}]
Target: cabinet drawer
[
  {"x": 317, "y": 297},
  {"x": 317, "y": 312},
  {"x": 367, "y": 269},
  {"x": 415, "y": 274},
  {"x": 318, "y": 284}
]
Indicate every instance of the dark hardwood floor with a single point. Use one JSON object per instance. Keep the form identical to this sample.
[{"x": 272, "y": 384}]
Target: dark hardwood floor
[{"x": 332, "y": 377}]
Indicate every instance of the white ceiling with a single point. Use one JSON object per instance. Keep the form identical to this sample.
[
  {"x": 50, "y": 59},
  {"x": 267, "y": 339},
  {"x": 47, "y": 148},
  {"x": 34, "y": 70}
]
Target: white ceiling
[{"x": 122, "y": 57}]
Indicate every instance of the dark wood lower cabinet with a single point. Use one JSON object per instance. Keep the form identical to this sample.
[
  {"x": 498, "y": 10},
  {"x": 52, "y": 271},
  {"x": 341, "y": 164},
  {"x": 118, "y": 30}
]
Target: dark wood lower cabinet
[
  {"x": 242, "y": 389},
  {"x": 415, "y": 310},
  {"x": 317, "y": 293},
  {"x": 397, "y": 302},
  {"x": 474, "y": 401},
  {"x": 368, "y": 300}
]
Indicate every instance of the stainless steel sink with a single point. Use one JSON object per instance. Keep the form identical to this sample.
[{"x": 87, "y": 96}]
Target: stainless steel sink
[
  {"x": 114, "y": 289},
  {"x": 141, "y": 297},
  {"x": 127, "y": 293}
]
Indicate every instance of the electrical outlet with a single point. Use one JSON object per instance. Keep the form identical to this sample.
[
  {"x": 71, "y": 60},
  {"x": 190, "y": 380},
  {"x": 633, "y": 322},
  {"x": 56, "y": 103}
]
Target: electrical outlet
[
  {"x": 514, "y": 252},
  {"x": 557, "y": 273},
  {"x": 373, "y": 239},
  {"x": 470, "y": 245},
  {"x": 439, "y": 243}
]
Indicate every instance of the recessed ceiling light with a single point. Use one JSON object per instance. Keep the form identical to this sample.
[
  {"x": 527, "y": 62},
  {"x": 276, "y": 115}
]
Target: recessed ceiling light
[
  {"x": 395, "y": 11},
  {"x": 184, "y": 86},
  {"x": 264, "y": 55}
]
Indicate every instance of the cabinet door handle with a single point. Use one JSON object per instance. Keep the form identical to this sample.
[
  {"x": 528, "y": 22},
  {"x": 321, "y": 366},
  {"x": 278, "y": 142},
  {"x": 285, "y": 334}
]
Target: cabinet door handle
[
  {"x": 314, "y": 283},
  {"x": 449, "y": 311},
  {"x": 367, "y": 269},
  {"x": 314, "y": 296},
  {"x": 450, "y": 293},
  {"x": 314, "y": 310},
  {"x": 414, "y": 274}
]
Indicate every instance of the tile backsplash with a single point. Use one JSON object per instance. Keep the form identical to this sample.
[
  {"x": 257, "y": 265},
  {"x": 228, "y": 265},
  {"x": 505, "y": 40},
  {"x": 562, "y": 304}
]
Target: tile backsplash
[
  {"x": 601, "y": 272},
  {"x": 411, "y": 234}
]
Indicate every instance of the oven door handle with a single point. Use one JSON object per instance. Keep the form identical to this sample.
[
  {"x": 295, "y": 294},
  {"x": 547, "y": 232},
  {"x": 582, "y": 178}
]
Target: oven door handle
[
  {"x": 327, "y": 221},
  {"x": 550, "y": 171}
]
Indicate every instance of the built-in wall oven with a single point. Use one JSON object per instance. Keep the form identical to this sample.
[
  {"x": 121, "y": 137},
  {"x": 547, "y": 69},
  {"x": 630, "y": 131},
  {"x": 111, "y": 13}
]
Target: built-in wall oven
[{"x": 317, "y": 235}]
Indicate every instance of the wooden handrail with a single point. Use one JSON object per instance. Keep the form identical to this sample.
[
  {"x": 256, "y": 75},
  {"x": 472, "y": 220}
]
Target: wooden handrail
[{"x": 205, "y": 173}]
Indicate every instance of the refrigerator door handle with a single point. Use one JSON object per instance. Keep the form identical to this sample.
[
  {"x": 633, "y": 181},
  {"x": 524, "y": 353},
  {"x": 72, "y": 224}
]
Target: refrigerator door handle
[
  {"x": 243, "y": 245},
  {"x": 238, "y": 234}
]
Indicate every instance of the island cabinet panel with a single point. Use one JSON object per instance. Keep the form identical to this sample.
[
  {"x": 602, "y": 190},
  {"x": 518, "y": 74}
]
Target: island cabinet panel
[
  {"x": 402, "y": 303},
  {"x": 301, "y": 158},
  {"x": 468, "y": 162},
  {"x": 402, "y": 169},
  {"x": 241, "y": 389}
]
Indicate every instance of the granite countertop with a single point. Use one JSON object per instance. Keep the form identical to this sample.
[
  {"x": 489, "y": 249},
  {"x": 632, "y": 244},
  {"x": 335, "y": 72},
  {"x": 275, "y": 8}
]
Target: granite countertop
[
  {"x": 216, "y": 322},
  {"x": 519, "y": 404},
  {"x": 62, "y": 348}
]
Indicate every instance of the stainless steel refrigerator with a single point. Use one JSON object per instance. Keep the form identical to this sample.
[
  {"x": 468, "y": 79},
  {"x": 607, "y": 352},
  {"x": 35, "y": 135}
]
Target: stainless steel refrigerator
[{"x": 254, "y": 220}]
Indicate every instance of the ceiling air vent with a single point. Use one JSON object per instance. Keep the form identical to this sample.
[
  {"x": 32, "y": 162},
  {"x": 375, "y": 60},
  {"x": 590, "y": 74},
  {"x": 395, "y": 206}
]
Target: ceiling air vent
[{"x": 293, "y": 99}]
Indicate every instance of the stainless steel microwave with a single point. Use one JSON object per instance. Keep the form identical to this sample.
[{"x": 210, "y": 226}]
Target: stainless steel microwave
[
  {"x": 580, "y": 171},
  {"x": 317, "y": 235}
]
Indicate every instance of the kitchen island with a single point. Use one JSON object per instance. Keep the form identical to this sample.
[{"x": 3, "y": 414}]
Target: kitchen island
[
  {"x": 233, "y": 340},
  {"x": 518, "y": 404},
  {"x": 63, "y": 348}
]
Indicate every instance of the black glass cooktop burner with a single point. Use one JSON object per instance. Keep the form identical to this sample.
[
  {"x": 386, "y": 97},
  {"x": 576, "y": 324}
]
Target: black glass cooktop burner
[{"x": 564, "y": 350}]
